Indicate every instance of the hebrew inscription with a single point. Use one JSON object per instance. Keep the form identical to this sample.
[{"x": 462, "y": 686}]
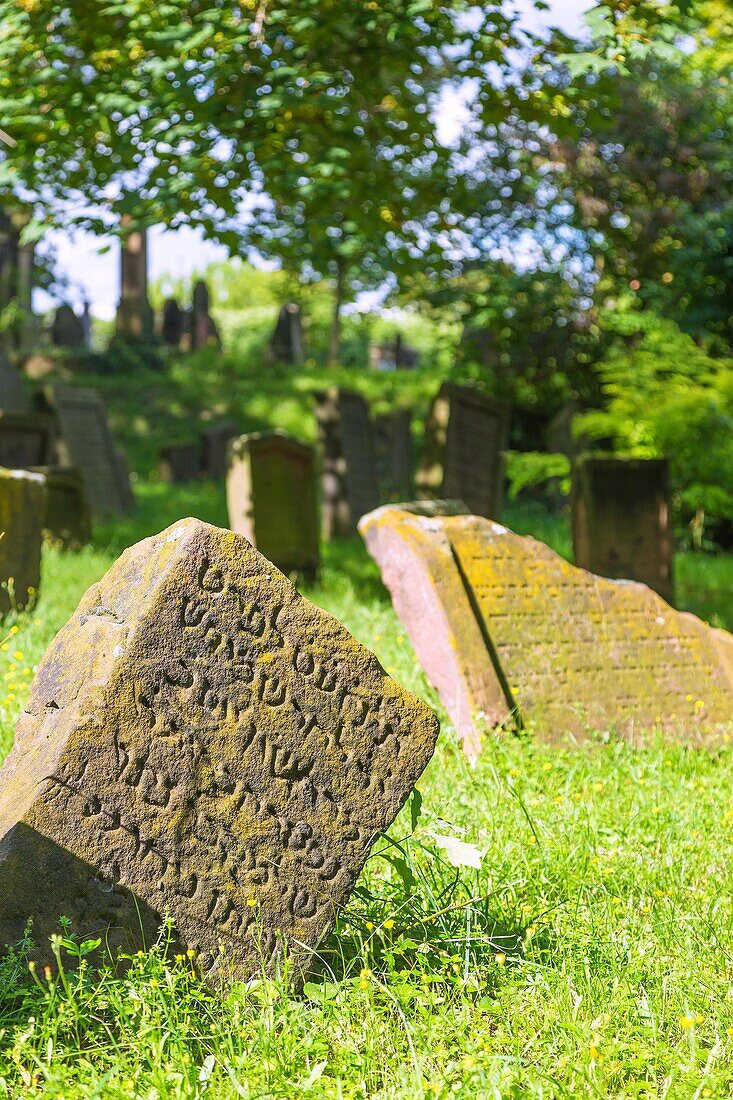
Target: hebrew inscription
[
  {"x": 205, "y": 742},
  {"x": 525, "y": 637}
]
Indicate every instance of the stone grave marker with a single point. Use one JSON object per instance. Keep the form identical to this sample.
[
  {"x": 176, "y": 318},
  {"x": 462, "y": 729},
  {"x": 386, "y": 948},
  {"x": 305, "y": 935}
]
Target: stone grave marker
[
  {"x": 86, "y": 442},
  {"x": 509, "y": 632},
  {"x": 179, "y": 463},
  {"x": 201, "y": 740},
  {"x": 214, "y": 449},
  {"x": 287, "y": 344},
  {"x": 393, "y": 444},
  {"x": 26, "y": 439},
  {"x": 67, "y": 330},
  {"x": 22, "y": 507},
  {"x": 134, "y": 315},
  {"x": 271, "y": 498},
  {"x": 66, "y": 517},
  {"x": 622, "y": 519},
  {"x": 13, "y": 397},
  {"x": 349, "y": 478},
  {"x": 203, "y": 328},
  {"x": 172, "y": 323},
  {"x": 466, "y": 433}
]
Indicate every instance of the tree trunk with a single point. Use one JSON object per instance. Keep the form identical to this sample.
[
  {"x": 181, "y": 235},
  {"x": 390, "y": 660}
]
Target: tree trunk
[{"x": 334, "y": 346}]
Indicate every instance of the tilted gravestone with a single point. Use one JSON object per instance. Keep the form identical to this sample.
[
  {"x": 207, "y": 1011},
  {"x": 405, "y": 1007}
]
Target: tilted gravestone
[
  {"x": 201, "y": 741},
  {"x": 67, "y": 330},
  {"x": 466, "y": 433},
  {"x": 393, "y": 444},
  {"x": 26, "y": 439},
  {"x": 66, "y": 517},
  {"x": 508, "y": 631},
  {"x": 86, "y": 442},
  {"x": 179, "y": 463},
  {"x": 622, "y": 519},
  {"x": 214, "y": 448},
  {"x": 349, "y": 479},
  {"x": 271, "y": 497},
  {"x": 22, "y": 507}
]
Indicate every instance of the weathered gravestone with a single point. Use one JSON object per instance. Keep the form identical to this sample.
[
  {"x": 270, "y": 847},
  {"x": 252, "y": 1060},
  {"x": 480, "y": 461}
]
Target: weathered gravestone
[
  {"x": 134, "y": 319},
  {"x": 622, "y": 519},
  {"x": 179, "y": 463},
  {"x": 287, "y": 344},
  {"x": 172, "y": 323},
  {"x": 66, "y": 516},
  {"x": 22, "y": 507},
  {"x": 202, "y": 741},
  {"x": 214, "y": 448},
  {"x": 466, "y": 433},
  {"x": 86, "y": 442},
  {"x": 67, "y": 330},
  {"x": 26, "y": 439},
  {"x": 393, "y": 444},
  {"x": 349, "y": 479},
  {"x": 271, "y": 497},
  {"x": 203, "y": 327},
  {"x": 509, "y": 631}
]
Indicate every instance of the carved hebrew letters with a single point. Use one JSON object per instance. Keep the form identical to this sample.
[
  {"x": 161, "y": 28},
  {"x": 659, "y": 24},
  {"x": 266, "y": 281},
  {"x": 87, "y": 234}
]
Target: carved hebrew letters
[{"x": 230, "y": 760}]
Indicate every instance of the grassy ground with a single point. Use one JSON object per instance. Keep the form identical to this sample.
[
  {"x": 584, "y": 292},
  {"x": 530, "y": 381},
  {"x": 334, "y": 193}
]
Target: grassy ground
[{"x": 590, "y": 954}]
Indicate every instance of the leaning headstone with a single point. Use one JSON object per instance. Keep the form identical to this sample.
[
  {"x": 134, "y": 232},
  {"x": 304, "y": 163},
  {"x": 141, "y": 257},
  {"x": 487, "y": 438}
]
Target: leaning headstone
[
  {"x": 393, "y": 443},
  {"x": 13, "y": 397},
  {"x": 349, "y": 478},
  {"x": 67, "y": 330},
  {"x": 214, "y": 446},
  {"x": 202, "y": 743},
  {"x": 66, "y": 518},
  {"x": 466, "y": 434},
  {"x": 86, "y": 442},
  {"x": 22, "y": 507},
  {"x": 622, "y": 519},
  {"x": 286, "y": 345},
  {"x": 172, "y": 323},
  {"x": 179, "y": 463},
  {"x": 271, "y": 497},
  {"x": 26, "y": 439},
  {"x": 510, "y": 633}
]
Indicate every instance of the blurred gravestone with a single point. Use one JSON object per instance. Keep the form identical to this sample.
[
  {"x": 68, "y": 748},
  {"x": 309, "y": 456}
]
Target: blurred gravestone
[
  {"x": 214, "y": 446},
  {"x": 510, "y": 633},
  {"x": 67, "y": 330},
  {"x": 22, "y": 506},
  {"x": 271, "y": 497},
  {"x": 349, "y": 478},
  {"x": 26, "y": 439},
  {"x": 393, "y": 442},
  {"x": 286, "y": 345},
  {"x": 13, "y": 397},
  {"x": 66, "y": 516},
  {"x": 203, "y": 328},
  {"x": 134, "y": 315},
  {"x": 203, "y": 744},
  {"x": 466, "y": 433},
  {"x": 179, "y": 463},
  {"x": 621, "y": 518},
  {"x": 172, "y": 323},
  {"x": 86, "y": 442}
]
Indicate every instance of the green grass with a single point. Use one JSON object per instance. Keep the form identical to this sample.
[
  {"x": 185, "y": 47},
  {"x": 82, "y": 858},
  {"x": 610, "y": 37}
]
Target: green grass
[{"x": 590, "y": 955}]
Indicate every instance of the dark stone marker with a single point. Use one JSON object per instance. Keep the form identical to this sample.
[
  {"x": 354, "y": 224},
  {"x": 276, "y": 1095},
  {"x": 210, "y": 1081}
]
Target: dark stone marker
[
  {"x": 287, "y": 344},
  {"x": 466, "y": 434},
  {"x": 214, "y": 446},
  {"x": 393, "y": 442},
  {"x": 621, "y": 517},
  {"x": 66, "y": 519},
  {"x": 201, "y": 741},
  {"x": 13, "y": 397},
  {"x": 349, "y": 479},
  {"x": 271, "y": 497},
  {"x": 172, "y": 323},
  {"x": 22, "y": 507},
  {"x": 203, "y": 328},
  {"x": 179, "y": 463},
  {"x": 86, "y": 442},
  {"x": 67, "y": 330},
  {"x": 26, "y": 439},
  {"x": 134, "y": 315}
]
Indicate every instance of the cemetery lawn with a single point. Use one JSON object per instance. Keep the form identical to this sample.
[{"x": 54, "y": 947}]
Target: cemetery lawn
[{"x": 554, "y": 922}]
